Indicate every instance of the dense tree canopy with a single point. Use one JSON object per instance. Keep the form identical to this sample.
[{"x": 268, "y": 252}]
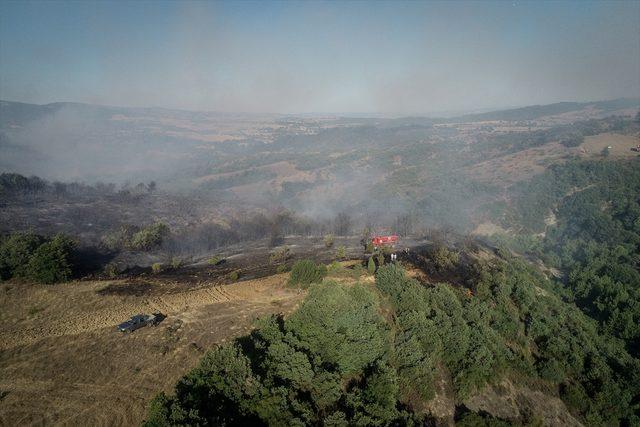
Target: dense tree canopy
[
  {"x": 36, "y": 258},
  {"x": 596, "y": 240},
  {"x": 338, "y": 361}
]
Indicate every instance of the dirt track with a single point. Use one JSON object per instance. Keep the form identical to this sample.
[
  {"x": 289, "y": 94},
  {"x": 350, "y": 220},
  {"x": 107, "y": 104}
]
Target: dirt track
[{"x": 63, "y": 362}]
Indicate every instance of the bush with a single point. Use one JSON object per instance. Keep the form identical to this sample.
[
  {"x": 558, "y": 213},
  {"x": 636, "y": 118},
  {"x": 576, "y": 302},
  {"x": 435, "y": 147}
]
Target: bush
[
  {"x": 51, "y": 262},
  {"x": 280, "y": 255},
  {"x": 214, "y": 260},
  {"x": 335, "y": 268},
  {"x": 149, "y": 238},
  {"x": 119, "y": 239},
  {"x": 341, "y": 252},
  {"x": 371, "y": 266},
  {"x": 156, "y": 268},
  {"x": 111, "y": 270},
  {"x": 306, "y": 272},
  {"x": 176, "y": 262},
  {"x": 234, "y": 275}
]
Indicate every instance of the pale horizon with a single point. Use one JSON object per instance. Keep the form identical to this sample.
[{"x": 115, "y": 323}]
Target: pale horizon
[{"x": 323, "y": 58}]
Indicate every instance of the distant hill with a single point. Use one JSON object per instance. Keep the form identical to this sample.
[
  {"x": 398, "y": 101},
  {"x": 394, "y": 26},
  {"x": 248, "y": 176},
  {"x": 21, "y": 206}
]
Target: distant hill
[{"x": 534, "y": 112}]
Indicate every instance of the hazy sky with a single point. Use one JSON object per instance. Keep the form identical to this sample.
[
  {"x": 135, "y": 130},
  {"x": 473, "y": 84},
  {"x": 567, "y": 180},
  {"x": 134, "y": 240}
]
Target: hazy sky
[{"x": 410, "y": 58}]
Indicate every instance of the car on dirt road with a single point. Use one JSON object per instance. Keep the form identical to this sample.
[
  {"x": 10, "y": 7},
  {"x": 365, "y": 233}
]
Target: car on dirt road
[{"x": 140, "y": 320}]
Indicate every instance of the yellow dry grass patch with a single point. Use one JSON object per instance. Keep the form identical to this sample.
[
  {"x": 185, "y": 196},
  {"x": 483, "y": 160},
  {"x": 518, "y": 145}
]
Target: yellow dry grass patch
[
  {"x": 621, "y": 145},
  {"x": 63, "y": 362}
]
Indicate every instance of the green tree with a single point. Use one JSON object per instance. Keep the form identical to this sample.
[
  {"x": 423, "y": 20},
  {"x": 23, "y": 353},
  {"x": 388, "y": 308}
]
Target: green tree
[
  {"x": 52, "y": 261},
  {"x": 15, "y": 252},
  {"x": 150, "y": 237},
  {"x": 371, "y": 266},
  {"x": 306, "y": 272}
]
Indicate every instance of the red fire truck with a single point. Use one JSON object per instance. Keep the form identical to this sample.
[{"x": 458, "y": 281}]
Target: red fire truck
[{"x": 381, "y": 241}]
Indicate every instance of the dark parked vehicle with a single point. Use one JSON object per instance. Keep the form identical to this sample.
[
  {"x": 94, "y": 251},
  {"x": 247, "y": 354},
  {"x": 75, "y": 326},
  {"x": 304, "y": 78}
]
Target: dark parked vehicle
[{"x": 140, "y": 320}]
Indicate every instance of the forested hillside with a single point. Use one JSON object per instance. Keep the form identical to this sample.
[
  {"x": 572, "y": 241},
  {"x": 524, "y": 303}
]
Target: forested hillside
[
  {"x": 370, "y": 355},
  {"x": 594, "y": 238}
]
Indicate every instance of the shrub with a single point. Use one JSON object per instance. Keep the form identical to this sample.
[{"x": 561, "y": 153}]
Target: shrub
[
  {"x": 119, "y": 239},
  {"x": 234, "y": 275},
  {"x": 149, "y": 238},
  {"x": 280, "y": 255},
  {"x": 214, "y": 260},
  {"x": 51, "y": 262},
  {"x": 156, "y": 267},
  {"x": 176, "y": 262},
  {"x": 282, "y": 268},
  {"x": 306, "y": 272},
  {"x": 341, "y": 252},
  {"x": 329, "y": 240},
  {"x": 335, "y": 268},
  {"x": 371, "y": 266},
  {"x": 111, "y": 270}
]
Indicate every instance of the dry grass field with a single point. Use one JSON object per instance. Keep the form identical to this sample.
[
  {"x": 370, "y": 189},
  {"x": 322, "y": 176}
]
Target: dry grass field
[
  {"x": 63, "y": 362},
  {"x": 621, "y": 145}
]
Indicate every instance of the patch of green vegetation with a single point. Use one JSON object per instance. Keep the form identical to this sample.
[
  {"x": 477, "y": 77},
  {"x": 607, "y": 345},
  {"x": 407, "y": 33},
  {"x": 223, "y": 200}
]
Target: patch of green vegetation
[
  {"x": 444, "y": 259},
  {"x": 111, "y": 270},
  {"x": 15, "y": 252},
  {"x": 156, "y": 268},
  {"x": 36, "y": 258},
  {"x": 371, "y": 266},
  {"x": 149, "y": 237},
  {"x": 214, "y": 260},
  {"x": 305, "y": 272},
  {"x": 327, "y": 363},
  {"x": 596, "y": 240},
  {"x": 472, "y": 419},
  {"x": 176, "y": 262},
  {"x": 34, "y": 310},
  {"x": 337, "y": 358},
  {"x": 134, "y": 238},
  {"x": 482, "y": 338}
]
